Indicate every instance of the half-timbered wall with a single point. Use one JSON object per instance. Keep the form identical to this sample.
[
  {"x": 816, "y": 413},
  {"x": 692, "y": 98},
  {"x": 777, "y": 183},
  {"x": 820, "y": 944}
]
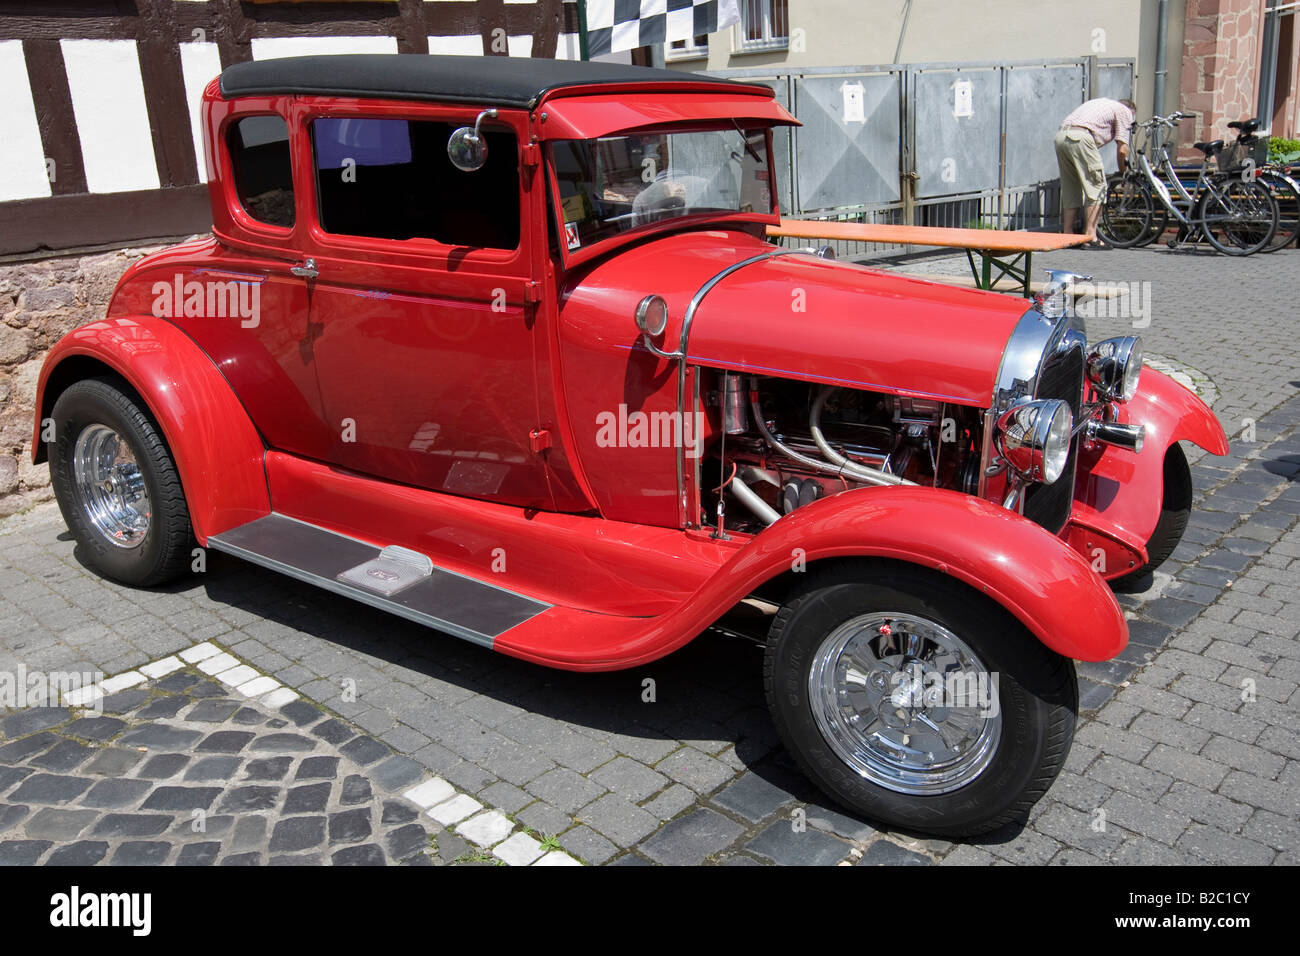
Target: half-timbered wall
[{"x": 98, "y": 98}]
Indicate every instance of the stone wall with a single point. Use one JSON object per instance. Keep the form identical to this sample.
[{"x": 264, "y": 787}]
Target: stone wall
[
  {"x": 40, "y": 301},
  {"x": 1221, "y": 47}
]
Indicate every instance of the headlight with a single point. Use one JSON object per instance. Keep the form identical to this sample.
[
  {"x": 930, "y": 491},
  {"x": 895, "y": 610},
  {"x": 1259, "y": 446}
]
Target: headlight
[
  {"x": 1034, "y": 439},
  {"x": 1114, "y": 367}
]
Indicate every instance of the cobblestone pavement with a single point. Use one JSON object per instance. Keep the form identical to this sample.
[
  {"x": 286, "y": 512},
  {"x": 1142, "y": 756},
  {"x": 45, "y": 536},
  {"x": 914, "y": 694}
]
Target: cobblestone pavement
[
  {"x": 1188, "y": 749},
  {"x": 199, "y": 759}
]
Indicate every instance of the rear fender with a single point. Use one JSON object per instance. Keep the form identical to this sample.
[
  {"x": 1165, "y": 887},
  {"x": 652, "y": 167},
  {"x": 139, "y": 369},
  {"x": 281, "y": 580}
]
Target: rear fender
[
  {"x": 1118, "y": 494},
  {"x": 217, "y": 450}
]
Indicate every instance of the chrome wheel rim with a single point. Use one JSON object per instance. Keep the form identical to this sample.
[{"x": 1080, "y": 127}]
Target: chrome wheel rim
[
  {"x": 111, "y": 486},
  {"x": 905, "y": 703}
]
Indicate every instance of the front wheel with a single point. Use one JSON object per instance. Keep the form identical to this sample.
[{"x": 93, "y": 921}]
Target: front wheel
[
  {"x": 117, "y": 485},
  {"x": 1126, "y": 212},
  {"x": 912, "y": 699},
  {"x": 1175, "y": 509}
]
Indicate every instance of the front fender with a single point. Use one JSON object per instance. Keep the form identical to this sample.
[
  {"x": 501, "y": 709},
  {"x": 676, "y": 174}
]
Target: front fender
[
  {"x": 1039, "y": 579},
  {"x": 1046, "y": 585},
  {"x": 1118, "y": 494},
  {"x": 217, "y": 450}
]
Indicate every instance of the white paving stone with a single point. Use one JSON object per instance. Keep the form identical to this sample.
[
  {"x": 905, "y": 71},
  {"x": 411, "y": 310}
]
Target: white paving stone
[
  {"x": 82, "y": 696},
  {"x": 258, "y": 686},
  {"x": 122, "y": 681},
  {"x": 430, "y": 792},
  {"x": 221, "y": 661},
  {"x": 556, "y": 858},
  {"x": 155, "y": 669},
  {"x": 199, "y": 652},
  {"x": 454, "y": 810},
  {"x": 234, "y": 676},
  {"x": 519, "y": 850},
  {"x": 279, "y": 697},
  {"x": 487, "y": 829}
]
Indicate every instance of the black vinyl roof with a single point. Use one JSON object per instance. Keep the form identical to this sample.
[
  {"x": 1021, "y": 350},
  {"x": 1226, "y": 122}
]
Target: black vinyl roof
[{"x": 487, "y": 80}]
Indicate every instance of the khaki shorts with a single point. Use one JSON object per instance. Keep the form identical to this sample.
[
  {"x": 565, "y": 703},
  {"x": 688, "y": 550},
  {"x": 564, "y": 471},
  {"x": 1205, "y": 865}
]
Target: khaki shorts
[{"x": 1083, "y": 178}]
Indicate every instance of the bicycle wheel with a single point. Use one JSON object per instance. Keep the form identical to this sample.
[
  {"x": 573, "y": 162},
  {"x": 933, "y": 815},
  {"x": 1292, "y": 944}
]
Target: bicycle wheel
[
  {"x": 1287, "y": 196},
  {"x": 1159, "y": 223},
  {"x": 1126, "y": 213},
  {"x": 1239, "y": 218}
]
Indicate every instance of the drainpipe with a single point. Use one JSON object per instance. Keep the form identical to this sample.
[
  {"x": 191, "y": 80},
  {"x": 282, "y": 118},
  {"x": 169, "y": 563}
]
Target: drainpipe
[
  {"x": 1268, "y": 63},
  {"x": 1162, "y": 41},
  {"x": 902, "y": 33}
]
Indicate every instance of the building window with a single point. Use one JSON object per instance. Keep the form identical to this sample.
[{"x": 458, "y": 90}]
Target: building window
[
  {"x": 391, "y": 179},
  {"x": 696, "y": 48},
  {"x": 764, "y": 25},
  {"x": 259, "y": 155}
]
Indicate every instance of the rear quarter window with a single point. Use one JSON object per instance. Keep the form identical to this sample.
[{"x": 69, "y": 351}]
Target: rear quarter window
[{"x": 259, "y": 156}]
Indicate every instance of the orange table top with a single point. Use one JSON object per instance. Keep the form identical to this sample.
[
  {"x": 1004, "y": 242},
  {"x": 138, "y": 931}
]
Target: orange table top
[{"x": 987, "y": 240}]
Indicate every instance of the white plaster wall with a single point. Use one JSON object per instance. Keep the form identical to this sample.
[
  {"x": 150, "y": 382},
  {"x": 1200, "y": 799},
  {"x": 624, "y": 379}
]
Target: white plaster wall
[{"x": 112, "y": 119}]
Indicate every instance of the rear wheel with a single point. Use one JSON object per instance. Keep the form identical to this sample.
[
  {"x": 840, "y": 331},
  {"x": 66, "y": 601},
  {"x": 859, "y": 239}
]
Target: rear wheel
[
  {"x": 1126, "y": 212},
  {"x": 117, "y": 485},
  {"x": 1239, "y": 217},
  {"x": 1159, "y": 223},
  {"x": 913, "y": 700}
]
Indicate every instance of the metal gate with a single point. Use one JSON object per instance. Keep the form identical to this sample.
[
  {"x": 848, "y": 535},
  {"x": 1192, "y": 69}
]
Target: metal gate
[{"x": 952, "y": 144}]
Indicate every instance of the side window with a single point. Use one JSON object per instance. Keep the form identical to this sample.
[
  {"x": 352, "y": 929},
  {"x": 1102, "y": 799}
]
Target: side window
[
  {"x": 391, "y": 179},
  {"x": 259, "y": 153}
]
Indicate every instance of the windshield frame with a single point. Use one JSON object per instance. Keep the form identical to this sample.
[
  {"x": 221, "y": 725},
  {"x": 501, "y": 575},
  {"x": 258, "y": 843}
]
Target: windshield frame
[{"x": 713, "y": 217}]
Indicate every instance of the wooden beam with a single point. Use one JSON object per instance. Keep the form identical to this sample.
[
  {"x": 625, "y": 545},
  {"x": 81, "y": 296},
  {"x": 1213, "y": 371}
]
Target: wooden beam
[
  {"x": 413, "y": 35},
  {"x": 164, "y": 95},
  {"x": 53, "y": 101},
  {"x": 492, "y": 17},
  {"x": 62, "y": 222}
]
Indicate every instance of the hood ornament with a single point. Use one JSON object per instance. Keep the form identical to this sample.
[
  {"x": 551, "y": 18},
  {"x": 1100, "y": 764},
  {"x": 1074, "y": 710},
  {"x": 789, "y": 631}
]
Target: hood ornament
[{"x": 1055, "y": 298}]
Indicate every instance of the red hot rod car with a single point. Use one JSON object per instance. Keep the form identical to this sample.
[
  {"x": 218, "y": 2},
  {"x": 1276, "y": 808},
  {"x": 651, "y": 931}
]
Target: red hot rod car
[{"x": 499, "y": 346}]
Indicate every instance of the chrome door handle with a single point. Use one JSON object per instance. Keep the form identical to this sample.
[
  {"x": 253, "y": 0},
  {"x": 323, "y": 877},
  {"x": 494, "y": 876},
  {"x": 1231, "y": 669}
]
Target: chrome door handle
[{"x": 307, "y": 270}]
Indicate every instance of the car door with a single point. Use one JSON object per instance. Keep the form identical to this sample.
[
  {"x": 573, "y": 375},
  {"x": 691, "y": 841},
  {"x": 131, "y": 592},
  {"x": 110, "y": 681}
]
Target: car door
[
  {"x": 243, "y": 303},
  {"x": 423, "y": 336}
]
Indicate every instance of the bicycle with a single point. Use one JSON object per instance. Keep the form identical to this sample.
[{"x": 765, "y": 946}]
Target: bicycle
[
  {"x": 1130, "y": 216},
  {"x": 1238, "y": 158},
  {"x": 1235, "y": 214},
  {"x": 1278, "y": 179}
]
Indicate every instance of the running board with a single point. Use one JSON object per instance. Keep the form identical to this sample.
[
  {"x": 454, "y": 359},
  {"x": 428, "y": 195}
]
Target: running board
[{"x": 395, "y": 580}]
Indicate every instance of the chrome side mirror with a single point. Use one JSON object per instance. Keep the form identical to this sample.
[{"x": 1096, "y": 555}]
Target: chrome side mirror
[{"x": 466, "y": 147}]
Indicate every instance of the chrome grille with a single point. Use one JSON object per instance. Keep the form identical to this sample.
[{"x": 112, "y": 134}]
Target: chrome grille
[{"x": 1061, "y": 377}]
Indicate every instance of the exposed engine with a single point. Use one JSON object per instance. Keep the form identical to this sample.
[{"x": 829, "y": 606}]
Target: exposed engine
[{"x": 782, "y": 444}]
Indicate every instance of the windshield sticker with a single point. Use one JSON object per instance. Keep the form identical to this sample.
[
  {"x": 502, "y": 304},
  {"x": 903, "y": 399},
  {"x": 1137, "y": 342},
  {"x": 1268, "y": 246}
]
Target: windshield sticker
[
  {"x": 571, "y": 235},
  {"x": 575, "y": 207}
]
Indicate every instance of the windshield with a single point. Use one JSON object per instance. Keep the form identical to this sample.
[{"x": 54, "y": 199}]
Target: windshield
[{"x": 616, "y": 183}]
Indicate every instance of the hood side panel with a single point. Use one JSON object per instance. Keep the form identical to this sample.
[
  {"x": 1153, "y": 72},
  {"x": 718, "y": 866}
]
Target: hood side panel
[{"x": 816, "y": 320}]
